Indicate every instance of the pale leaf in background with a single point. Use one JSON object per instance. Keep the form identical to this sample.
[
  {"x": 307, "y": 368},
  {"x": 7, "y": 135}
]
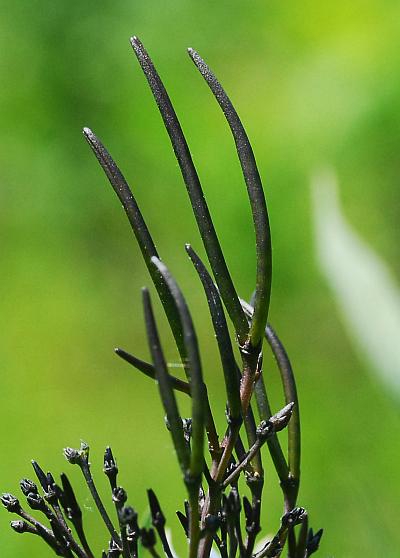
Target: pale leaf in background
[{"x": 363, "y": 286}]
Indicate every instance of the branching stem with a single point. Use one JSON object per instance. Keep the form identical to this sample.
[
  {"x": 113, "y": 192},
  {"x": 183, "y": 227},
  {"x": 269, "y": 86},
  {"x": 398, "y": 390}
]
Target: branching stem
[{"x": 85, "y": 468}]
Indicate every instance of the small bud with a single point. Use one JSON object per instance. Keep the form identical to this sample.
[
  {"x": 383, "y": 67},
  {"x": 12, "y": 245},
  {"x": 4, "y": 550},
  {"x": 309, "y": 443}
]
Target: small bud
[
  {"x": 40, "y": 474},
  {"x": 254, "y": 479},
  {"x": 36, "y": 502},
  {"x": 84, "y": 451},
  {"x": 113, "y": 550},
  {"x": 72, "y": 456},
  {"x": 276, "y": 423},
  {"x": 128, "y": 516},
  {"x": 231, "y": 467},
  {"x": 264, "y": 429},
  {"x": 299, "y": 515},
  {"x": 53, "y": 493},
  {"x": 10, "y": 502},
  {"x": 187, "y": 428},
  {"x": 110, "y": 466},
  {"x": 282, "y": 417},
  {"x": 119, "y": 496},
  {"x": 212, "y": 523},
  {"x": 294, "y": 517},
  {"x": 28, "y": 486},
  {"x": 187, "y": 508},
  {"x": 155, "y": 509},
  {"x": 20, "y": 526},
  {"x": 313, "y": 541},
  {"x": 77, "y": 457},
  {"x": 50, "y": 478},
  {"x": 184, "y": 522},
  {"x": 131, "y": 534}
]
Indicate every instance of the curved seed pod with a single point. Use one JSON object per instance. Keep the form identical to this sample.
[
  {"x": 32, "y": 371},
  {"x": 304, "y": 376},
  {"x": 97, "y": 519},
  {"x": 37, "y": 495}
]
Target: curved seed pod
[
  {"x": 197, "y": 387},
  {"x": 196, "y": 195},
  {"x": 257, "y": 201},
  {"x": 165, "y": 388},
  {"x": 139, "y": 227},
  {"x": 232, "y": 381},
  {"x": 148, "y": 370},
  {"x": 290, "y": 390},
  {"x": 274, "y": 445}
]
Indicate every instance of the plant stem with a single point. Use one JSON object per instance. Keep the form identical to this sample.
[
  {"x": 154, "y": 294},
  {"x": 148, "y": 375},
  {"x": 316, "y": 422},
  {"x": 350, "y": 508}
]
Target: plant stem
[
  {"x": 95, "y": 495},
  {"x": 274, "y": 446},
  {"x": 194, "y": 523},
  {"x": 243, "y": 464},
  {"x": 46, "y": 534},
  {"x": 290, "y": 485}
]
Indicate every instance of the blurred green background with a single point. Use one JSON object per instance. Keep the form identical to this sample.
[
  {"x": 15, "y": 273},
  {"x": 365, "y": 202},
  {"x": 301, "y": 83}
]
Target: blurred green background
[{"x": 315, "y": 84}]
